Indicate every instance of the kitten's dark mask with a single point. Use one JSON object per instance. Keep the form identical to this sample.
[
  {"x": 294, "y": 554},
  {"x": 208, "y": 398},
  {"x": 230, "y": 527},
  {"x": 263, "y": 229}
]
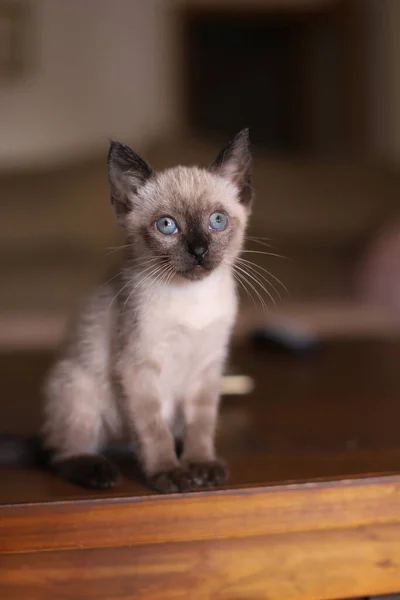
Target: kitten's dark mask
[
  {"x": 193, "y": 242},
  {"x": 192, "y": 219}
]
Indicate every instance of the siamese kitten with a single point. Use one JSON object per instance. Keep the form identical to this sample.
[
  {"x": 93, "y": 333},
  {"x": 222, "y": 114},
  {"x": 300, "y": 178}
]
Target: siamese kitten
[{"x": 145, "y": 355}]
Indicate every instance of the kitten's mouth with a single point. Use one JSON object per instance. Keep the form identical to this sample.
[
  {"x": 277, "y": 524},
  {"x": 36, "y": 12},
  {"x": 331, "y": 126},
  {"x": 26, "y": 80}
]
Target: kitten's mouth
[{"x": 196, "y": 273}]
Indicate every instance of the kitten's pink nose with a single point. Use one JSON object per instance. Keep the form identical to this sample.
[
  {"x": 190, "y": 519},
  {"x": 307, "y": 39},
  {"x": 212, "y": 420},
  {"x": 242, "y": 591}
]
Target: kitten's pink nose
[{"x": 199, "y": 253}]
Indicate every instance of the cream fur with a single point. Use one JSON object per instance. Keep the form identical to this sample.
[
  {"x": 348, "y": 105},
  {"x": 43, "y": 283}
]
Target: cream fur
[{"x": 144, "y": 356}]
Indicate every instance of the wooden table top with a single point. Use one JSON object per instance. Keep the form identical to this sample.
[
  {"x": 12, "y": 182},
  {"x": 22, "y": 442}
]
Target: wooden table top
[
  {"x": 311, "y": 512},
  {"x": 328, "y": 416}
]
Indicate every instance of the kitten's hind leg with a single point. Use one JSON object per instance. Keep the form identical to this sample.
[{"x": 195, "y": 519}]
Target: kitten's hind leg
[
  {"x": 89, "y": 470},
  {"x": 74, "y": 429}
]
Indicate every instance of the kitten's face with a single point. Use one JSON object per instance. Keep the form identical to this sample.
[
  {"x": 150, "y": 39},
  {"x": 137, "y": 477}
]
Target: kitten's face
[
  {"x": 186, "y": 221},
  {"x": 191, "y": 219}
]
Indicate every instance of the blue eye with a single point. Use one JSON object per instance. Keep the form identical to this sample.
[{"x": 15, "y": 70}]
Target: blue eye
[
  {"x": 167, "y": 225},
  {"x": 218, "y": 221}
]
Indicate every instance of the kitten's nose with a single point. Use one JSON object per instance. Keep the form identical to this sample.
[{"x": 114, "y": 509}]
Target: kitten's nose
[{"x": 199, "y": 253}]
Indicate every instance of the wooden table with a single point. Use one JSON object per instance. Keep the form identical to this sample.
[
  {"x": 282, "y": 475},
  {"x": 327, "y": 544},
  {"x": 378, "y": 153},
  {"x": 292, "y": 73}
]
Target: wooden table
[{"x": 312, "y": 510}]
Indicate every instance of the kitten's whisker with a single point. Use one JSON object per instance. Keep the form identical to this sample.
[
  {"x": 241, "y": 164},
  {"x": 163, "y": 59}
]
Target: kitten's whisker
[
  {"x": 140, "y": 262},
  {"x": 112, "y": 249},
  {"x": 164, "y": 276},
  {"x": 168, "y": 275},
  {"x": 249, "y": 262},
  {"x": 128, "y": 283},
  {"x": 246, "y": 276},
  {"x": 146, "y": 270},
  {"x": 171, "y": 275},
  {"x": 112, "y": 278},
  {"x": 155, "y": 271},
  {"x": 258, "y": 237},
  {"x": 158, "y": 280},
  {"x": 137, "y": 268},
  {"x": 237, "y": 276},
  {"x": 261, "y": 242},
  {"x": 251, "y": 267},
  {"x": 117, "y": 247},
  {"x": 118, "y": 293},
  {"x": 256, "y": 280},
  {"x": 141, "y": 282},
  {"x": 265, "y": 253}
]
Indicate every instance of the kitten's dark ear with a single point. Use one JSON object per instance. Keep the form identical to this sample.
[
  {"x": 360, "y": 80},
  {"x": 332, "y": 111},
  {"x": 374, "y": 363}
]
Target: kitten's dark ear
[
  {"x": 235, "y": 162},
  {"x": 127, "y": 172}
]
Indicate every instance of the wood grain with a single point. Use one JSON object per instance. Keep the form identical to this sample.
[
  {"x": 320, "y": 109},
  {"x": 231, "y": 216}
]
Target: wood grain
[
  {"x": 303, "y": 566},
  {"x": 212, "y": 515},
  {"x": 312, "y": 510}
]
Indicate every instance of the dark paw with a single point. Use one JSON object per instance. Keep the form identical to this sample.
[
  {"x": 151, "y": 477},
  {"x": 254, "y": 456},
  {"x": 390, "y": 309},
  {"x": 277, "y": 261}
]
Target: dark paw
[
  {"x": 169, "y": 482},
  {"x": 91, "y": 471},
  {"x": 213, "y": 472}
]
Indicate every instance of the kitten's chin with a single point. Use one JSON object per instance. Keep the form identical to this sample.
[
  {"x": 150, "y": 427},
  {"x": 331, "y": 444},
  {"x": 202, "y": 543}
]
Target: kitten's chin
[{"x": 197, "y": 273}]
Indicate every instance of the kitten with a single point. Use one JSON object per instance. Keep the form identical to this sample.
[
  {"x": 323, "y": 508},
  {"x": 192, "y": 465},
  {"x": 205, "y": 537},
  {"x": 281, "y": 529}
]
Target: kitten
[{"x": 145, "y": 355}]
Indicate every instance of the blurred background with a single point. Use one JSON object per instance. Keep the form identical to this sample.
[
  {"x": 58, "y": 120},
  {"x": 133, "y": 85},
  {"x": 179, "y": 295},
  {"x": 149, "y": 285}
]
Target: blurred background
[
  {"x": 318, "y": 84},
  {"x": 316, "y": 81}
]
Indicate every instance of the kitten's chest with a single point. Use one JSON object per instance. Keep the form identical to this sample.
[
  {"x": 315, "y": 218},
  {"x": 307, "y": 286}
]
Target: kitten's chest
[{"x": 180, "y": 320}]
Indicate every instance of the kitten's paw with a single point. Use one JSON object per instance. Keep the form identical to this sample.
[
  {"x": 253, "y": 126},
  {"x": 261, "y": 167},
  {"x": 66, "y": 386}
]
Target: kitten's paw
[
  {"x": 91, "y": 471},
  {"x": 175, "y": 480},
  {"x": 208, "y": 473}
]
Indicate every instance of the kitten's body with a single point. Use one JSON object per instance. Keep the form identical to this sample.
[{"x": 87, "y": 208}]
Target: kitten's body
[
  {"x": 144, "y": 357},
  {"x": 184, "y": 330}
]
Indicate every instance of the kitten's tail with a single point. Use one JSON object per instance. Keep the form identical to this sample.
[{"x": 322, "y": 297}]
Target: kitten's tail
[{"x": 19, "y": 451}]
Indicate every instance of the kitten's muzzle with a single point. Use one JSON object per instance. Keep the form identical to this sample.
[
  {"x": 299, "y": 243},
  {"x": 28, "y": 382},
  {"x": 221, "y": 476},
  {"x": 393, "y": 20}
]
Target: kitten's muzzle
[{"x": 199, "y": 253}]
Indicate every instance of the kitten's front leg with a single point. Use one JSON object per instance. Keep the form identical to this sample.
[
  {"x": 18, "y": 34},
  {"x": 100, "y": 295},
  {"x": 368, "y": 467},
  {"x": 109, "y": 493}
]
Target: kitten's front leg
[
  {"x": 201, "y": 414},
  {"x": 156, "y": 445}
]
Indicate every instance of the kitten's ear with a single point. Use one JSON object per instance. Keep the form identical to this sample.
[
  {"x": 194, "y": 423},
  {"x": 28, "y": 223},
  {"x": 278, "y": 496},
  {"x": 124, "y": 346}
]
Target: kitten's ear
[
  {"x": 234, "y": 162},
  {"x": 127, "y": 172}
]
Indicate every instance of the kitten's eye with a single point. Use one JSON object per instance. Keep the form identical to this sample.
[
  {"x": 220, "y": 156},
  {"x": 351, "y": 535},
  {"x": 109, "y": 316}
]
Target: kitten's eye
[
  {"x": 167, "y": 225},
  {"x": 218, "y": 221}
]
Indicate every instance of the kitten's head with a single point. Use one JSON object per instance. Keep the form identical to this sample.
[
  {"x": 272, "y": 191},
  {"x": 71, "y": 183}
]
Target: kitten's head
[{"x": 193, "y": 220}]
